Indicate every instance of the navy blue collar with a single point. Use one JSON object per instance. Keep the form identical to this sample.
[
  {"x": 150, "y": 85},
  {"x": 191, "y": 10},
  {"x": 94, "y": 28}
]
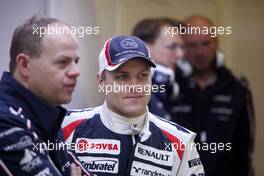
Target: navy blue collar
[{"x": 46, "y": 119}]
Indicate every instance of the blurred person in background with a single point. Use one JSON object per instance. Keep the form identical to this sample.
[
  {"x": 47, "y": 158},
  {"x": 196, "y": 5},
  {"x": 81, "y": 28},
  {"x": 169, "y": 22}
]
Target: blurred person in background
[
  {"x": 165, "y": 49},
  {"x": 215, "y": 104}
]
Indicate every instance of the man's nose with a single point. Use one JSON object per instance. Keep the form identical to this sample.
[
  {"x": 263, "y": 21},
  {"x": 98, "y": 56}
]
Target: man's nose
[
  {"x": 179, "y": 53},
  {"x": 133, "y": 82},
  {"x": 74, "y": 71},
  {"x": 199, "y": 50}
]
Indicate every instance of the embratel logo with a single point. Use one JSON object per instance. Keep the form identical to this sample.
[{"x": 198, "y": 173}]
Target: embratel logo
[
  {"x": 128, "y": 44},
  {"x": 109, "y": 146},
  {"x": 100, "y": 164}
]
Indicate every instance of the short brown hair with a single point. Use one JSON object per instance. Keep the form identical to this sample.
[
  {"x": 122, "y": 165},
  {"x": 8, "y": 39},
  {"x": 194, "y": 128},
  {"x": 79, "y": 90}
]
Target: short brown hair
[
  {"x": 25, "y": 41},
  {"x": 149, "y": 29}
]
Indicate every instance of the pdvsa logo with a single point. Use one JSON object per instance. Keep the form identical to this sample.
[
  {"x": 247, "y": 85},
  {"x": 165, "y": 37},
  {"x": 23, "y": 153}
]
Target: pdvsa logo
[
  {"x": 86, "y": 145},
  {"x": 128, "y": 44},
  {"x": 82, "y": 145}
]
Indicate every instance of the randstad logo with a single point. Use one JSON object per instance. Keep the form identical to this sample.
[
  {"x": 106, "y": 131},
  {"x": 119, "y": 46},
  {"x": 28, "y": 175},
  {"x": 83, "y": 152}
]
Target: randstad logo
[{"x": 128, "y": 44}]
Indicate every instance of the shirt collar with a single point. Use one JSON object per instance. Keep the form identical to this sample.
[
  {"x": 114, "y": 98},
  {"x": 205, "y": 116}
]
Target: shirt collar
[{"x": 125, "y": 126}]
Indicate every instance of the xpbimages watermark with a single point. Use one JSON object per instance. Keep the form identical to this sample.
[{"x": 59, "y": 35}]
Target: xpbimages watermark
[
  {"x": 125, "y": 88},
  {"x": 212, "y": 147},
  {"x": 79, "y": 31},
  {"x": 83, "y": 145},
  {"x": 213, "y": 31}
]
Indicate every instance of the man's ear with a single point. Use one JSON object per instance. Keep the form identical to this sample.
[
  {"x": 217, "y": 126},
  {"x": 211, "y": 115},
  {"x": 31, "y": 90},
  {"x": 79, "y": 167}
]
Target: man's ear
[
  {"x": 23, "y": 64},
  {"x": 100, "y": 79},
  {"x": 148, "y": 45}
]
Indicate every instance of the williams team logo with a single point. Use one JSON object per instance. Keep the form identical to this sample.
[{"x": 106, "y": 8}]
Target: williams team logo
[{"x": 128, "y": 44}]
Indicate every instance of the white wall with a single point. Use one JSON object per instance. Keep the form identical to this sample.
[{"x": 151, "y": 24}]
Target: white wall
[
  {"x": 12, "y": 13},
  {"x": 82, "y": 14},
  {"x": 248, "y": 58}
]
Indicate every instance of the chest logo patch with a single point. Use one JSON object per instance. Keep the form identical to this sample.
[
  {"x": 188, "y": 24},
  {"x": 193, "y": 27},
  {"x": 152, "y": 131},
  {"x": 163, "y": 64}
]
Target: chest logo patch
[
  {"x": 154, "y": 155},
  {"x": 87, "y": 145}
]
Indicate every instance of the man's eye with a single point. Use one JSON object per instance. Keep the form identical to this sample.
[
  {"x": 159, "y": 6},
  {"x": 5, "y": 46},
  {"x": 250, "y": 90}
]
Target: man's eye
[
  {"x": 144, "y": 75},
  {"x": 76, "y": 60},
  {"x": 191, "y": 45},
  {"x": 62, "y": 62},
  {"x": 121, "y": 77},
  {"x": 172, "y": 46},
  {"x": 206, "y": 43}
]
